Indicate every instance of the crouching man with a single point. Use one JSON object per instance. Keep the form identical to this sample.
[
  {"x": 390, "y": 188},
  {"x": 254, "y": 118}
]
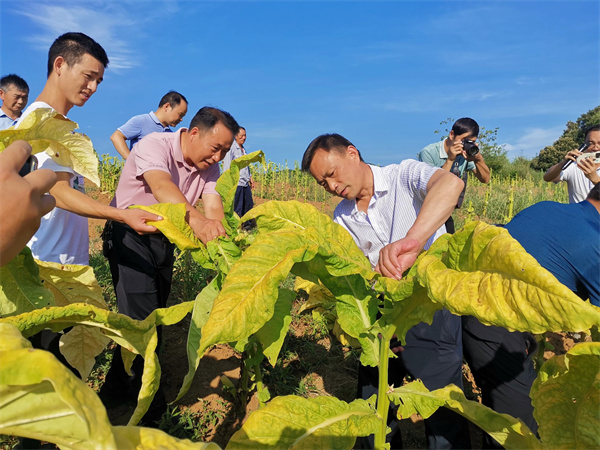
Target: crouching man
[{"x": 393, "y": 213}]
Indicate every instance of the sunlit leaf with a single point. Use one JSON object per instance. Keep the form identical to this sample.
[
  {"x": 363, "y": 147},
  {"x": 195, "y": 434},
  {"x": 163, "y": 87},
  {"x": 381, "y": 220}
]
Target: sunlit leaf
[
  {"x": 488, "y": 274},
  {"x": 414, "y": 398},
  {"x": 301, "y": 423},
  {"x": 81, "y": 345},
  {"x": 21, "y": 288},
  {"x": 566, "y": 398},
  {"x": 47, "y": 130},
  {"x": 273, "y": 333}
]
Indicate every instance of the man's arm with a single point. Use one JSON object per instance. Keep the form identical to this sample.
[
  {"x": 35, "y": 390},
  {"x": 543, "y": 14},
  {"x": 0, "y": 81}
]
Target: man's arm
[
  {"x": 78, "y": 203},
  {"x": 206, "y": 228},
  {"x": 553, "y": 173},
  {"x": 589, "y": 169},
  {"x": 443, "y": 190},
  {"x": 120, "y": 142},
  {"x": 482, "y": 171}
]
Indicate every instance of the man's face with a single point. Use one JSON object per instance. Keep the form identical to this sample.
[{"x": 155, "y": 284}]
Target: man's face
[
  {"x": 593, "y": 139},
  {"x": 335, "y": 171},
  {"x": 14, "y": 100},
  {"x": 209, "y": 147},
  {"x": 175, "y": 115},
  {"x": 240, "y": 138},
  {"x": 79, "y": 81}
]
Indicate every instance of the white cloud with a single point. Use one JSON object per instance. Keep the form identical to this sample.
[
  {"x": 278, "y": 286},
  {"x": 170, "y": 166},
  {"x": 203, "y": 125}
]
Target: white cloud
[
  {"x": 111, "y": 24},
  {"x": 533, "y": 141}
]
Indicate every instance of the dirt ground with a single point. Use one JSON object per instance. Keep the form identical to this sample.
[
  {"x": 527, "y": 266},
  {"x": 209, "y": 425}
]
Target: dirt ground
[{"x": 226, "y": 413}]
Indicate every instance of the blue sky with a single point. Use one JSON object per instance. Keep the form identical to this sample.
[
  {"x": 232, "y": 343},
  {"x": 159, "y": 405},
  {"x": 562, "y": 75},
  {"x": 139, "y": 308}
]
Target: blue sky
[{"x": 383, "y": 74}]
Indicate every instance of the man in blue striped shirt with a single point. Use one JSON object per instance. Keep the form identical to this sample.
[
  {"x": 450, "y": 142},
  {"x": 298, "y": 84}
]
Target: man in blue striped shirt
[{"x": 393, "y": 213}]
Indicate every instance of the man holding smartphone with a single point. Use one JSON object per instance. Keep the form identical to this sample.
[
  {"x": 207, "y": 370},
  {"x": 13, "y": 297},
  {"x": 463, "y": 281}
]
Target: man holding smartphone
[{"x": 584, "y": 173}]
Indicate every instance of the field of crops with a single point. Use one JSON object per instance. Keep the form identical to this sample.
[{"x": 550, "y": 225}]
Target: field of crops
[{"x": 281, "y": 370}]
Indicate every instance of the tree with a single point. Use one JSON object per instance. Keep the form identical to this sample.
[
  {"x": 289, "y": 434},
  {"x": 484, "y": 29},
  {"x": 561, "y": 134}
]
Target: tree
[{"x": 572, "y": 137}]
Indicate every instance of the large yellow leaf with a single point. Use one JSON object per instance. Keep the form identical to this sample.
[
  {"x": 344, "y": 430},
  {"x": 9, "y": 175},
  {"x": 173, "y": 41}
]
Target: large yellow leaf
[
  {"x": 81, "y": 345},
  {"x": 21, "y": 289},
  {"x": 566, "y": 399},
  {"x": 416, "y": 398},
  {"x": 487, "y": 274},
  {"x": 41, "y": 399},
  {"x": 46, "y": 130},
  {"x": 301, "y": 423},
  {"x": 71, "y": 283}
]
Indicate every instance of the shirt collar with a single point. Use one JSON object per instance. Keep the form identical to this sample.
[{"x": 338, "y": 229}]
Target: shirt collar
[
  {"x": 380, "y": 187},
  {"x": 153, "y": 116},
  {"x": 178, "y": 152},
  {"x": 443, "y": 153}
]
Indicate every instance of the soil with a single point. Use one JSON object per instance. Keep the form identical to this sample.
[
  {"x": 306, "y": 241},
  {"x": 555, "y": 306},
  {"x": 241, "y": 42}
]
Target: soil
[{"x": 226, "y": 413}]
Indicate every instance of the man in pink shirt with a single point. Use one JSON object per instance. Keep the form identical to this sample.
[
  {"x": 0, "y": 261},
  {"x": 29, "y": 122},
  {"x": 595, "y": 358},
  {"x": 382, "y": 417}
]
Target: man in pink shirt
[{"x": 176, "y": 167}]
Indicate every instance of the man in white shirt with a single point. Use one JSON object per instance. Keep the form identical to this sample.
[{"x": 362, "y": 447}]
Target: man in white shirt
[
  {"x": 579, "y": 176},
  {"x": 76, "y": 66},
  {"x": 393, "y": 213}
]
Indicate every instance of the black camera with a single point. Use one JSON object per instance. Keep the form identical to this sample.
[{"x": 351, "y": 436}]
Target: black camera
[{"x": 470, "y": 147}]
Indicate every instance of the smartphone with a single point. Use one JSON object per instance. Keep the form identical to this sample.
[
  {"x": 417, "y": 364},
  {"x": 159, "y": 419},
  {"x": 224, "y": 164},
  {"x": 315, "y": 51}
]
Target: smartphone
[
  {"x": 595, "y": 155},
  {"x": 29, "y": 166}
]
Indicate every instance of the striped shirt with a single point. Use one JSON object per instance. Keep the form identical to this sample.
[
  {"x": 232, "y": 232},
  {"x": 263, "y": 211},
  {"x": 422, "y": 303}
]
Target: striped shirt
[{"x": 398, "y": 195}]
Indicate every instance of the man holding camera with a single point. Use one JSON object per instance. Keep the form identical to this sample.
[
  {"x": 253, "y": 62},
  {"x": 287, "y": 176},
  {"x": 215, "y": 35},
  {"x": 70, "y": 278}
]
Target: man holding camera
[
  {"x": 582, "y": 175},
  {"x": 458, "y": 153}
]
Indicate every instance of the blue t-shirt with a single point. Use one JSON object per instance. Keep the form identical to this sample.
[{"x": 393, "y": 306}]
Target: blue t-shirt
[
  {"x": 139, "y": 126},
  {"x": 565, "y": 240}
]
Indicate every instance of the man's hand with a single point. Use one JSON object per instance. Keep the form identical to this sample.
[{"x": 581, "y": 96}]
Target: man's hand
[
  {"x": 397, "y": 257},
  {"x": 137, "y": 218},
  {"x": 23, "y": 199},
  {"x": 456, "y": 149},
  {"x": 589, "y": 169},
  {"x": 205, "y": 229}
]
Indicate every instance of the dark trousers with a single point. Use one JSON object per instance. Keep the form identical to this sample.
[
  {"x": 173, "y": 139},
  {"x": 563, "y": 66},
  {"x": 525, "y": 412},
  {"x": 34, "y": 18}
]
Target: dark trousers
[
  {"x": 433, "y": 353},
  {"x": 501, "y": 363},
  {"x": 142, "y": 270},
  {"x": 242, "y": 202}
]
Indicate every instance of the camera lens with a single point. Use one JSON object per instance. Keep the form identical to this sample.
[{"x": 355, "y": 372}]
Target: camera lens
[{"x": 470, "y": 147}]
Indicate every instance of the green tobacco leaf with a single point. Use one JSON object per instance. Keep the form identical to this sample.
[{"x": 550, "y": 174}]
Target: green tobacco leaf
[
  {"x": 414, "y": 398},
  {"x": 46, "y": 130},
  {"x": 250, "y": 291},
  {"x": 81, "y": 345},
  {"x": 318, "y": 295},
  {"x": 71, "y": 283},
  {"x": 345, "y": 255},
  {"x": 301, "y": 423},
  {"x": 224, "y": 252},
  {"x": 566, "y": 398},
  {"x": 137, "y": 336},
  {"x": 487, "y": 274},
  {"x": 202, "y": 307},
  {"x": 405, "y": 305},
  {"x": 139, "y": 438},
  {"x": 273, "y": 333},
  {"x": 227, "y": 185},
  {"x": 174, "y": 226},
  {"x": 21, "y": 289},
  {"x": 41, "y": 399}
]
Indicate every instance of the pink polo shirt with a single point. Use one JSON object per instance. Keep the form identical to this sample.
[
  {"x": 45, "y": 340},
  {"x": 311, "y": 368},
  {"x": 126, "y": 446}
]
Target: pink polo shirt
[{"x": 162, "y": 151}]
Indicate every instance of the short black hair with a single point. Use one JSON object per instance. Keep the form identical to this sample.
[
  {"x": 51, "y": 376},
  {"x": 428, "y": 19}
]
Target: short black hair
[
  {"x": 72, "y": 47},
  {"x": 207, "y": 117},
  {"x": 173, "y": 98},
  {"x": 327, "y": 142},
  {"x": 592, "y": 128},
  {"x": 14, "y": 80},
  {"x": 466, "y": 125}
]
